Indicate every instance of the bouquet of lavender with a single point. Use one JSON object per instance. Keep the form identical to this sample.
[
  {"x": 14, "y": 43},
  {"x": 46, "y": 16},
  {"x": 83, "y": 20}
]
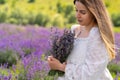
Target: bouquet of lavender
[{"x": 61, "y": 48}]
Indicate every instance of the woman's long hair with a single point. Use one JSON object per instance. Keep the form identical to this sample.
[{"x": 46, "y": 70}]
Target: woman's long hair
[{"x": 98, "y": 9}]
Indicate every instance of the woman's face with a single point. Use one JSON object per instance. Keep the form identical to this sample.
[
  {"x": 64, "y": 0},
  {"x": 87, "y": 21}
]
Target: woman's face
[{"x": 83, "y": 15}]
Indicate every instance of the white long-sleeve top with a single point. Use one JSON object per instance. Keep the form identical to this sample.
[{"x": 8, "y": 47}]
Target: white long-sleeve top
[{"x": 88, "y": 59}]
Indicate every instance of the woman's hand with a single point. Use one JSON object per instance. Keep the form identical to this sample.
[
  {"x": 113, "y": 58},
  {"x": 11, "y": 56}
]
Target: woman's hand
[{"x": 55, "y": 64}]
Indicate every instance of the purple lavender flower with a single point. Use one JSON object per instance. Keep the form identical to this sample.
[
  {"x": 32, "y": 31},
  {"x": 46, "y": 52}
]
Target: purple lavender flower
[{"x": 61, "y": 48}]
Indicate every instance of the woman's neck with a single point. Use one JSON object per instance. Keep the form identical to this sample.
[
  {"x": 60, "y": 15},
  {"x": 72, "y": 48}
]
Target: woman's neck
[
  {"x": 89, "y": 26},
  {"x": 83, "y": 31}
]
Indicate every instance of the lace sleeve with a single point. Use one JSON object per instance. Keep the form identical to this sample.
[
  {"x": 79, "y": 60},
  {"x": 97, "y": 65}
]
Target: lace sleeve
[{"x": 95, "y": 62}]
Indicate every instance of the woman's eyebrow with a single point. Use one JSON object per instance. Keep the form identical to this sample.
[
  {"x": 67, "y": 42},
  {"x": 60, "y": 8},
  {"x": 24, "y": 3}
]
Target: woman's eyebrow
[{"x": 81, "y": 9}]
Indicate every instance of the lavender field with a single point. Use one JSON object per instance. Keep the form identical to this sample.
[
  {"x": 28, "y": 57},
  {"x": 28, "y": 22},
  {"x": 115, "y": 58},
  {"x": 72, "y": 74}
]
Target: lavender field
[{"x": 23, "y": 53}]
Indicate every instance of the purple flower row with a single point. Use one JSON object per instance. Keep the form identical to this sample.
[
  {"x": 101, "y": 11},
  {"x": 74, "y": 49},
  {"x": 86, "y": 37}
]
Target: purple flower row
[{"x": 31, "y": 44}]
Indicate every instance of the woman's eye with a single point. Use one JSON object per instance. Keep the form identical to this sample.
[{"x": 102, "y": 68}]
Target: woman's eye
[
  {"x": 76, "y": 10},
  {"x": 83, "y": 12}
]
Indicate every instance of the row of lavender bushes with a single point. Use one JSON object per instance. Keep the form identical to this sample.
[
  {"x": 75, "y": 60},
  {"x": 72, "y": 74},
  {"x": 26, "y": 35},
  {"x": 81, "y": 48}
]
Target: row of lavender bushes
[{"x": 23, "y": 53}]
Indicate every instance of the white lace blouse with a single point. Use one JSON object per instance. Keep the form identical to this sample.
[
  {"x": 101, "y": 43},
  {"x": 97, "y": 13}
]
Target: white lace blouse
[{"x": 88, "y": 59}]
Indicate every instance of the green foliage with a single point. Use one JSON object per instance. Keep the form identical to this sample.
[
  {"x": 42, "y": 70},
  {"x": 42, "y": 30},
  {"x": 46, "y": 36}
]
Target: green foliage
[
  {"x": 71, "y": 18},
  {"x": 117, "y": 29},
  {"x": 116, "y": 19},
  {"x": 16, "y": 16},
  {"x": 13, "y": 3},
  {"x": 8, "y": 57},
  {"x": 2, "y": 1},
  {"x": 22, "y": 75},
  {"x": 3, "y": 16},
  {"x": 41, "y": 19},
  {"x": 51, "y": 77},
  {"x": 12, "y": 20},
  {"x": 68, "y": 10},
  {"x": 107, "y": 3},
  {"x": 55, "y": 72},
  {"x": 44, "y": 12},
  {"x": 59, "y": 7},
  {"x": 27, "y": 51},
  {"x": 114, "y": 67},
  {"x": 58, "y": 20},
  {"x": 31, "y": 18},
  {"x": 31, "y": 1}
]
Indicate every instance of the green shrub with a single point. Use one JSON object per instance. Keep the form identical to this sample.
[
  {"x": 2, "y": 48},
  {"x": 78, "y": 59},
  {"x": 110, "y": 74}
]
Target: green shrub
[
  {"x": 3, "y": 16},
  {"x": 58, "y": 20},
  {"x": 41, "y": 19},
  {"x": 31, "y": 1},
  {"x": 31, "y": 18},
  {"x": 116, "y": 19},
  {"x": 16, "y": 14},
  {"x": 2, "y": 1},
  {"x": 59, "y": 7},
  {"x": 8, "y": 57},
  {"x": 12, "y": 20},
  {"x": 68, "y": 10},
  {"x": 71, "y": 18}
]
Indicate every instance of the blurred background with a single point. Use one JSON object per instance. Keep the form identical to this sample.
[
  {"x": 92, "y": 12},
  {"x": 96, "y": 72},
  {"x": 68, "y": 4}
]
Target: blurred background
[
  {"x": 47, "y": 13},
  {"x": 25, "y": 33}
]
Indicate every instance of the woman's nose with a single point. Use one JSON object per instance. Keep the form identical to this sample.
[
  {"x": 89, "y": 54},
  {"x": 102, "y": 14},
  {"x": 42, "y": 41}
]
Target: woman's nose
[{"x": 78, "y": 15}]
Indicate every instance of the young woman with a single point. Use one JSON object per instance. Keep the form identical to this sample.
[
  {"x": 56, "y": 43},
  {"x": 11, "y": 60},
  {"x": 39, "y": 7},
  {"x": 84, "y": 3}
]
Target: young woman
[{"x": 93, "y": 44}]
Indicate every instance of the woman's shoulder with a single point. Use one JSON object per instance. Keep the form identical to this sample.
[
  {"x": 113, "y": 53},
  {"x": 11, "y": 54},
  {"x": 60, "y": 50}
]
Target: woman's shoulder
[
  {"x": 74, "y": 27},
  {"x": 93, "y": 34}
]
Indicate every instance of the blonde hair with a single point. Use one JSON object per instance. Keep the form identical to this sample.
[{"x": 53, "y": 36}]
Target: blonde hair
[{"x": 98, "y": 9}]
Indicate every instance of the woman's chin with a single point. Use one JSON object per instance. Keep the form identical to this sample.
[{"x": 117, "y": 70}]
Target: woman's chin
[{"x": 81, "y": 24}]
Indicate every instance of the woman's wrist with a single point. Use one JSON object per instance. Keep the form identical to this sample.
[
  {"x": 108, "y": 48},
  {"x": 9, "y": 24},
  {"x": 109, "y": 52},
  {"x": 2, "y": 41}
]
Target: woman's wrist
[{"x": 62, "y": 67}]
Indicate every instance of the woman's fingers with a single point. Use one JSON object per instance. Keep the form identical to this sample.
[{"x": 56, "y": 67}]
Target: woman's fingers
[
  {"x": 64, "y": 63},
  {"x": 50, "y": 58}
]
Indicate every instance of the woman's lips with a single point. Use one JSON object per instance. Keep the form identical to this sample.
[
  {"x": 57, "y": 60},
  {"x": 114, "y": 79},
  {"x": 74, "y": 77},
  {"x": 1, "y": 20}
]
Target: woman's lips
[{"x": 79, "y": 20}]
